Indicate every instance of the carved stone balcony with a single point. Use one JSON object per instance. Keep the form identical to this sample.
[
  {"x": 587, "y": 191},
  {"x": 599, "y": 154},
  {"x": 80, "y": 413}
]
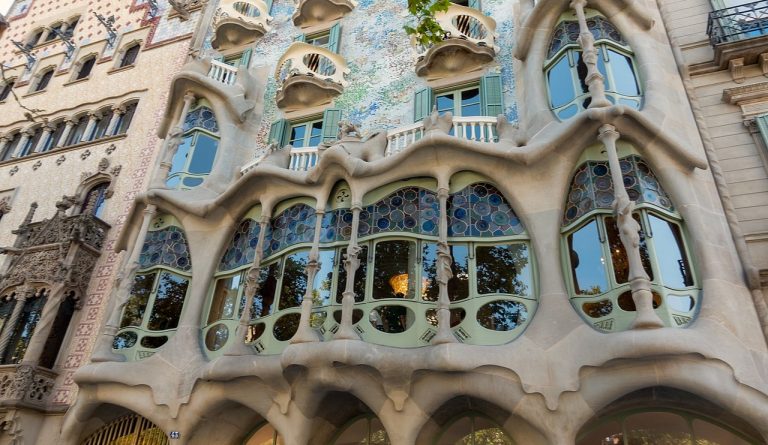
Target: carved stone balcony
[
  {"x": 469, "y": 43},
  {"x": 239, "y": 22},
  {"x": 739, "y": 32},
  {"x": 313, "y": 12},
  {"x": 309, "y": 76},
  {"x": 23, "y": 386}
]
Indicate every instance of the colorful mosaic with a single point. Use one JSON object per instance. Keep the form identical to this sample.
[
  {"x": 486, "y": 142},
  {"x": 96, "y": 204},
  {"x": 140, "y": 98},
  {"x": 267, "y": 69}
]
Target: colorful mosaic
[
  {"x": 480, "y": 210},
  {"x": 166, "y": 247},
  {"x": 592, "y": 187},
  {"x": 410, "y": 209},
  {"x": 294, "y": 225},
  {"x": 567, "y": 33},
  {"x": 202, "y": 117},
  {"x": 337, "y": 226},
  {"x": 242, "y": 246}
]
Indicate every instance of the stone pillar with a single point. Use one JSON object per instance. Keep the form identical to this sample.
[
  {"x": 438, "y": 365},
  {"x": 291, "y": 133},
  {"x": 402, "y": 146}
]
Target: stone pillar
[
  {"x": 92, "y": 118},
  {"x": 69, "y": 124},
  {"x": 121, "y": 293},
  {"x": 25, "y": 135},
  {"x": 595, "y": 80},
  {"x": 238, "y": 347},
  {"x": 47, "y": 132},
  {"x": 629, "y": 232},
  {"x": 44, "y": 325},
  {"x": 116, "y": 113},
  {"x": 444, "y": 274},
  {"x": 5, "y": 142},
  {"x": 305, "y": 333},
  {"x": 44, "y": 35},
  {"x": 351, "y": 264},
  {"x": 22, "y": 295},
  {"x": 172, "y": 142}
]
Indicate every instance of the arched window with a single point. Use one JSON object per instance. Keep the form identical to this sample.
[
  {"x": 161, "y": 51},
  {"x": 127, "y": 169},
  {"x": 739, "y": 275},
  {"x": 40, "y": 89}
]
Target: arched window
[
  {"x": 194, "y": 158},
  {"x": 32, "y": 142},
  {"x": 5, "y": 91},
  {"x": 159, "y": 290},
  {"x": 95, "y": 200},
  {"x": 596, "y": 258},
  {"x": 473, "y": 429},
  {"x": 43, "y": 79},
  {"x": 566, "y": 70},
  {"x": 54, "y": 32},
  {"x": 102, "y": 124},
  {"x": 12, "y": 146},
  {"x": 131, "y": 428},
  {"x": 125, "y": 119},
  {"x": 55, "y": 136},
  {"x": 85, "y": 67},
  {"x": 21, "y": 332},
  {"x": 366, "y": 430},
  {"x": 78, "y": 130},
  {"x": 129, "y": 55},
  {"x": 34, "y": 38},
  {"x": 58, "y": 332},
  {"x": 265, "y": 435}
]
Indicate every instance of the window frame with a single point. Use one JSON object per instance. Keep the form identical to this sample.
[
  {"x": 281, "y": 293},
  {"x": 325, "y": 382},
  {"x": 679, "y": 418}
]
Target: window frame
[
  {"x": 43, "y": 80},
  {"x": 307, "y": 123},
  {"x": 126, "y": 53}
]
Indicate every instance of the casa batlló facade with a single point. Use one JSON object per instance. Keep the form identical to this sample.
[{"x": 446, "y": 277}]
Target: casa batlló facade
[{"x": 534, "y": 231}]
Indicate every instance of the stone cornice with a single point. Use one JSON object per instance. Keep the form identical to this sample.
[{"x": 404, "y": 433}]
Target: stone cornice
[{"x": 756, "y": 92}]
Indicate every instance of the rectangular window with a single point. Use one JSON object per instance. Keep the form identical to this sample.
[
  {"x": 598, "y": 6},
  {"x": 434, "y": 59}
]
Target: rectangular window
[
  {"x": 306, "y": 134},
  {"x": 460, "y": 102}
]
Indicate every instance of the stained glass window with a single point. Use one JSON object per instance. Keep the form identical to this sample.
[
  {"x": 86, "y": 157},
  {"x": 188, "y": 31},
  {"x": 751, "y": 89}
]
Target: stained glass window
[
  {"x": 201, "y": 117},
  {"x": 294, "y": 225},
  {"x": 480, "y": 210},
  {"x": 166, "y": 247},
  {"x": 567, "y": 33},
  {"x": 337, "y": 226},
  {"x": 242, "y": 246},
  {"x": 410, "y": 209}
]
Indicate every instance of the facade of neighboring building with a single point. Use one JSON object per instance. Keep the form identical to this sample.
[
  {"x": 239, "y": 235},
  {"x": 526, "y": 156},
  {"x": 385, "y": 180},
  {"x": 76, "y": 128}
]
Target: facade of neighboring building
[
  {"x": 544, "y": 228},
  {"x": 83, "y": 87}
]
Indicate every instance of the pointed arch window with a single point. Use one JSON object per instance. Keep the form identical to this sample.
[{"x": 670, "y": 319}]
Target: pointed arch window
[
  {"x": 597, "y": 261},
  {"x": 566, "y": 70},
  {"x": 22, "y": 331},
  {"x": 95, "y": 200},
  {"x": 194, "y": 158},
  {"x": 43, "y": 80}
]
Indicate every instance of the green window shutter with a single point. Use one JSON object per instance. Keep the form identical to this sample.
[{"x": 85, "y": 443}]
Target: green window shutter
[
  {"x": 279, "y": 132},
  {"x": 422, "y": 104},
  {"x": 762, "y": 125},
  {"x": 491, "y": 95},
  {"x": 334, "y": 38},
  {"x": 245, "y": 58},
  {"x": 300, "y": 38},
  {"x": 474, "y": 4},
  {"x": 331, "y": 118}
]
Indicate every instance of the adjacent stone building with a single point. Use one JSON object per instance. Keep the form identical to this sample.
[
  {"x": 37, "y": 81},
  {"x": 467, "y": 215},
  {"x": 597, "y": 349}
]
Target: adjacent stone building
[{"x": 547, "y": 227}]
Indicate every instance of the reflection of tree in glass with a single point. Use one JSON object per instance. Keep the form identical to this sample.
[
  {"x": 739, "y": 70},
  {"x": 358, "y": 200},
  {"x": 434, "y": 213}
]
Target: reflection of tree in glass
[
  {"x": 487, "y": 436},
  {"x": 137, "y": 304},
  {"x": 376, "y": 438},
  {"x": 500, "y": 269},
  {"x": 359, "y": 285},
  {"x": 168, "y": 302},
  {"x": 23, "y": 330},
  {"x": 393, "y": 258},
  {"x": 502, "y": 315},
  {"x": 650, "y": 437},
  {"x": 294, "y": 280},
  {"x": 286, "y": 326}
]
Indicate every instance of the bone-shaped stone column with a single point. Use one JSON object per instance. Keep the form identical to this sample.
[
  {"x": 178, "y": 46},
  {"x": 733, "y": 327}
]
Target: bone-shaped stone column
[
  {"x": 444, "y": 274},
  {"x": 305, "y": 333},
  {"x": 595, "y": 80},
  {"x": 351, "y": 264}
]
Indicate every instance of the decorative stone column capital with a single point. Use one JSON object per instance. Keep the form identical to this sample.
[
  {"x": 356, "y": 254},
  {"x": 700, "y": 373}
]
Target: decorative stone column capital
[
  {"x": 578, "y": 4},
  {"x": 607, "y": 133},
  {"x": 189, "y": 97},
  {"x": 442, "y": 192}
]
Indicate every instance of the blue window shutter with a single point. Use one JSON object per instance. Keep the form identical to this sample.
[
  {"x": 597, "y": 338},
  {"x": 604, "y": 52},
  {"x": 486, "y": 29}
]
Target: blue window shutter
[
  {"x": 300, "y": 38},
  {"x": 491, "y": 95},
  {"x": 245, "y": 59},
  {"x": 334, "y": 38},
  {"x": 278, "y": 132},
  {"x": 474, "y": 4},
  {"x": 422, "y": 104},
  {"x": 331, "y": 118}
]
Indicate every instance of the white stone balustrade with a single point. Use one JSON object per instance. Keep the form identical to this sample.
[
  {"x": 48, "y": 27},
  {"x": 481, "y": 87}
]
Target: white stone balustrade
[
  {"x": 474, "y": 128},
  {"x": 221, "y": 72},
  {"x": 238, "y": 22},
  {"x": 303, "y": 59}
]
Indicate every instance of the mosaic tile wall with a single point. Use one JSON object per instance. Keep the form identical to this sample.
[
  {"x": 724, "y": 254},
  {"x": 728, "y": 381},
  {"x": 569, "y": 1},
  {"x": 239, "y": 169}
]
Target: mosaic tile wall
[{"x": 382, "y": 79}]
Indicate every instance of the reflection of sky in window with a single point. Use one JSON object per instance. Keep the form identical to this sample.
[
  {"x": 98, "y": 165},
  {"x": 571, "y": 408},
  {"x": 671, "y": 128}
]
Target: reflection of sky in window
[
  {"x": 560, "y": 85},
  {"x": 587, "y": 260},
  {"x": 668, "y": 253},
  {"x": 204, "y": 154},
  {"x": 324, "y": 277}
]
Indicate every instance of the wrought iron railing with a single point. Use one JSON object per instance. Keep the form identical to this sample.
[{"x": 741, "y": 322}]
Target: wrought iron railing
[{"x": 738, "y": 23}]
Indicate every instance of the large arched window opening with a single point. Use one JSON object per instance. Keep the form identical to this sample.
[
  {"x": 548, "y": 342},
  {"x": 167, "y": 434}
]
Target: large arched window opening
[
  {"x": 24, "y": 327},
  {"x": 129, "y": 429},
  {"x": 363, "y": 430},
  {"x": 566, "y": 70},
  {"x": 12, "y": 146},
  {"x": 194, "y": 158},
  {"x": 598, "y": 268},
  {"x": 95, "y": 200},
  {"x": 473, "y": 428},
  {"x": 159, "y": 290},
  {"x": 265, "y": 435},
  {"x": 80, "y": 124}
]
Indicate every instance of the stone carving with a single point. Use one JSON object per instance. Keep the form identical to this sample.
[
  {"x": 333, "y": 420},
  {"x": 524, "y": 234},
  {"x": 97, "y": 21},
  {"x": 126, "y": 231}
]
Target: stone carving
[
  {"x": 84, "y": 155},
  {"x": 14, "y": 170},
  {"x": 103, "y": 164},
  {"x": 184, "y": 7},
  {"x": 37, "y": 165},
  {"x": 348, "y": 130},
  {"x": 351, "y": 144},
  {"x": 437, "y": 122},
  {"x": 111, "y": 149},
  {"x": 25, "y": 383},
  {"x": 5, "y": 205},
  {"x": 279, "y": 157},
  {"x": 60, "y": 160}
]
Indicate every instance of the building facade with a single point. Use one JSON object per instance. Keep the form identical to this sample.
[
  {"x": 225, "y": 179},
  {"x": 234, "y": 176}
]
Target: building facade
[
  {"x": 82, "y": 89},
  {"x": 546, "y": 227}
]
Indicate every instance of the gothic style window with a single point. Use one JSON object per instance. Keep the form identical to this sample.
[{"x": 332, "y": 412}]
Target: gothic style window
[
  {"x": 58, "y": 331},
  {"x": 160, "y": 287},
  {"x": 129, "y": 55},
  {"x": 363, "y": 430},
  {"x": 124, "y": 120},
  {"x": 566, "y": 70},
  {"x": 102, "y": 125},
  {"x": 474, "y": 429},
  {"x": 85, "y": 67},
  {"x": 43, "y": 79},
  {"x": 77, "y": 131},
  {"x": 32, "y": 142},
  {"x": 6, "y": 90},
  {"x": 598, "y": 263},
  {"x": 194, "y": 158},
  {"x": 95, "y": 200},
  {"x": 12, "y": 146},
  {"x": 24, "y": 328},
  {"x": 55, "y": 136}
]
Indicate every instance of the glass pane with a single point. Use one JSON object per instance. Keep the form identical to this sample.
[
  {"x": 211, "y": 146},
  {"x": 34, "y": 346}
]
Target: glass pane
[
  {"x": 169, "y": 301},
  {"x": 587, "y": 262},
  {"x": 286, "y": 326},
  {"x": 445, "y": 103},
  {"x": 606, "y": 434},
  {"x": 264, "y": 299},
  {"x": 430, "y": 289},
  {"x": 581, "y": 72},
  {"x": 619, "y": 254},
  {"x": 203, "y": 155},
  {"x": 391, "y": 319},
  {"x": 623, "y": 74},
  {"x": 657, "y": 428},
  {"x": 180, "y": 157},
  {"x": 321, "y": 288},
  {"x": 264, "y": 436},
  {"x": 125, "y": 340},
  {"x": 217, "y": 337},
  {"x": 458, "y": 285},
  {"x": 359, "y": 286},
  {"x": 560, "y": 83},
  {"x": 670, "y": 253},
  {"x": 503, "y": 269},
  {"x": 470, "y": 102},
  {"x": 321, "y": 40},
  {"x": 355, "y": 434},
  {"x": 394, "y": 275},
  {"x": 224, "y": 298},
  {"x": 502, "y": 315},
  {"x": 709, "y": 434},
  {"x": 294, "y": 280},
  {"x": 486, "y": 432},
  {"x": 24, "y": 329},
  {"x": 298, "y": 133},
  {"x": 316, "y": 135},
  {"x": 133, "y": 313}
]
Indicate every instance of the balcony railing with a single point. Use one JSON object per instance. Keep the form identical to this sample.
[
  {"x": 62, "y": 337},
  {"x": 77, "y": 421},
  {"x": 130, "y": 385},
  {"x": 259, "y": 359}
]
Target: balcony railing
[
  {"x": 302, "y": 59},
  {"x": 238, "y": 22},
  {"x": 221, "y": 72},
  {"x": 474, "y": 128},
  {"x": 738, "y": 23},
  {"x": 23, "y": 385}
]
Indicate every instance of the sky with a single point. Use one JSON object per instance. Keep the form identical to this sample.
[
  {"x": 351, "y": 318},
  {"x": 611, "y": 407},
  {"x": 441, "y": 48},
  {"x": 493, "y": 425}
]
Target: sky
[{"x": 5, "y": 5}]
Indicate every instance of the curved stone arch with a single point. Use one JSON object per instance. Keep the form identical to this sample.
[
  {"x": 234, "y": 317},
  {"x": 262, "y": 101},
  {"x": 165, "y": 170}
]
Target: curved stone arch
[
  {"x": 224, "y": 421},
  {"x": 88, "y": 416},
  {"x": 79, "y": 64},
  {"x": 352, "y": 405}
]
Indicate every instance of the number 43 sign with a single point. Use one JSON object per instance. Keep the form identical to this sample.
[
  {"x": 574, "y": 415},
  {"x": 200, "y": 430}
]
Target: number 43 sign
[{"x": 174, "y": 435}]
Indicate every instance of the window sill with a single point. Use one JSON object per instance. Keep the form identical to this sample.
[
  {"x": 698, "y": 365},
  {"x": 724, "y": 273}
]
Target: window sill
[
  {"x": 72, "y": 82},
  {"x": 34, "y": 93},
  {"x": 121, "y": 69},
  {"x": 66, "y": 149}
]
